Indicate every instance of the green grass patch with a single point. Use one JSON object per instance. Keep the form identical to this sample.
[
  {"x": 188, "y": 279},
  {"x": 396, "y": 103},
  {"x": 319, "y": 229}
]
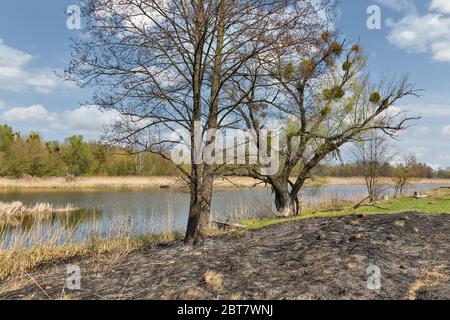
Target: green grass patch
[{"x": 437, "y": 203}]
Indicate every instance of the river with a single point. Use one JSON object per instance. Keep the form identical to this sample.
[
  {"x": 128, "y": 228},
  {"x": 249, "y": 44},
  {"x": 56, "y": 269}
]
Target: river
[{"x": 110, "y": 213}]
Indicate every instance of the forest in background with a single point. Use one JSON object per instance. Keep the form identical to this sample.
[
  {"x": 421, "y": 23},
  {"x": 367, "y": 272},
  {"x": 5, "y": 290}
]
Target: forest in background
[{"x": 30, "y": 155}]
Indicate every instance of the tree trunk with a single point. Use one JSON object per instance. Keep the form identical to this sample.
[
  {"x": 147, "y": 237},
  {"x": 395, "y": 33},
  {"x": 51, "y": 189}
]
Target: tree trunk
[
  {"x": 200, "y": 203},
  {"x": 199, "y": 212},
  {"x": 202, "y": 192},
  {"x": 198, "y": 221},
  {"x": 287, "y": 204}
]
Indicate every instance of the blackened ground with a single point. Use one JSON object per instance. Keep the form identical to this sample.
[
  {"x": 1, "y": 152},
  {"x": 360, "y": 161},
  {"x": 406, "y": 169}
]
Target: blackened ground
[{"x": 323, "y": 258}]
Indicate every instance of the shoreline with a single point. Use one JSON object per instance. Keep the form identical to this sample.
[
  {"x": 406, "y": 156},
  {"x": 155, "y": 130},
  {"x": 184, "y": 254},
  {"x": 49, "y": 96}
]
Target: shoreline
[
  {"x": 224, "y": 268},
  {"x": 155, "y": 183},
  {"x": 403, "y": 222}
]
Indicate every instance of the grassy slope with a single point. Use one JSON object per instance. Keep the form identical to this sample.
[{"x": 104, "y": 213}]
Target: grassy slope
[
  {"x": 15, "y": 261},
  {"x": 437, "y": 203}
]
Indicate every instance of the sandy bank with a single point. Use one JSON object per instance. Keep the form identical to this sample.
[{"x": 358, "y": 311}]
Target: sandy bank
[{"x": 166, "y": 182}]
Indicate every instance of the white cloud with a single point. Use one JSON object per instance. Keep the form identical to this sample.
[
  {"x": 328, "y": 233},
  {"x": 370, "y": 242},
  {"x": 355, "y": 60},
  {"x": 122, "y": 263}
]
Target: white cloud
[
  {"x": 429, "y": 110},
  {"x": 2, "y": 104},
  {"x": 85, "y": 120},
  {"x": 420, "y": 132},
  {"x": 35, "y": 114},
  {"x": 440, "y": 6},
  {"x": 435, "y": 166},
  {"x": 399, "y": 5},
  {"x": 444, "y": 157},
  {"x": 428, "y": 33},
  {"x": 419, "y": 152},
  {"x": 16, "y": 76},
  {"x": 88, "y": 119},
  {"x": 420, "y": 33},
  {"x": 394, "y": 110},
  {"x": 446, "y": 131}
]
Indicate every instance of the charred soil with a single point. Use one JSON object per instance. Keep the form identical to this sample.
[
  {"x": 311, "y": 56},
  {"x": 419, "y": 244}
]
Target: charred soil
[{"x": 318, "y": 258}]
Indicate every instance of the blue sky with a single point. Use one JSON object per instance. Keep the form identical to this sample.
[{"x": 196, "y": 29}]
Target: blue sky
[{"x": 414, "y": 38}]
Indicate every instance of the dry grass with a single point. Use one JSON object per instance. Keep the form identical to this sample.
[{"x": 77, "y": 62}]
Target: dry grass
[
  {"x": 213, "y": 281},
  {"x": 235, "y": 297},
  {"x": 429, "y": 278},
  {"x": 88, "y": 183},
  {"x": 14, "y": 262},
  {"x": 17, "y": 209},
  {"x": 46, "y": 243},
  {"x": 62, "y": 245},
  {"x": 324, "y": 204},
  {"x": 360, "y": 236},
  {"x": 94, "y": 183},
  {"x": 400, "y": 223},
  {"x": 31, "y": 248},
  {"x": 194, "y": 293}
]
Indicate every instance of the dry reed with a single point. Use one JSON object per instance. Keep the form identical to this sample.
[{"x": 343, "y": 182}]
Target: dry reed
[
  {"x": 87, "y": 183},
  {"x": 13, "y": 213}
]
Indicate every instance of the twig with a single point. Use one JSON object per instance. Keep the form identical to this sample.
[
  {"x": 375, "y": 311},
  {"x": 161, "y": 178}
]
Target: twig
[
  {"x": 128, "y": 280},
  {"x": 37, "y": 284}
]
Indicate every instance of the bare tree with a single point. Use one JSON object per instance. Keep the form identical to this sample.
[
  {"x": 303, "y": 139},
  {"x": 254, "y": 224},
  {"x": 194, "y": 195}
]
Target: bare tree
[
  {"x": 167, "y": 66},
  {"x": 372, "y": 152},
  {"x": 404, "y": 173},
  {"x": 323, "y": 99}
]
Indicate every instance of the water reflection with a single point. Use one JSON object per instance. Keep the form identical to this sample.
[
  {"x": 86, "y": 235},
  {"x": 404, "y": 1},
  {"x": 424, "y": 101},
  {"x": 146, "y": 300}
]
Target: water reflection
[{"x": 111, "y": 213}]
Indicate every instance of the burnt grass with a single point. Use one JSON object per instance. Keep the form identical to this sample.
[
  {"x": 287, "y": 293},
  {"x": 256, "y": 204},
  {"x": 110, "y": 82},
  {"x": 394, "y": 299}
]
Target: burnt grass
[{"x": 319, "y": 258}]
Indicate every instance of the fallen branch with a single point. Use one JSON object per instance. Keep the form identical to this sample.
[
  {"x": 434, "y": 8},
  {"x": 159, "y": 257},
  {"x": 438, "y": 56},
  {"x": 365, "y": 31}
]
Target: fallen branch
[
  {"x": 360, "y": 204},
  {"x": 225, "y": 225},
  {"x": 371, "y": 204}
]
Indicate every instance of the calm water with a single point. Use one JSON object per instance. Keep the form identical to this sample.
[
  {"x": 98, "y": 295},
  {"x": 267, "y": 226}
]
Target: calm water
[{"x": 141, "y": 212}]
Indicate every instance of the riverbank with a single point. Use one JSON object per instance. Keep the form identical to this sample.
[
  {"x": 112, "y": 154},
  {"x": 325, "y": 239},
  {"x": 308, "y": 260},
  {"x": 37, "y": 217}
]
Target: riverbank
[
  {"x": 321, "y": 255},
  {"x": 139, "y": 183},
  {"x": 319, "y": 258}
]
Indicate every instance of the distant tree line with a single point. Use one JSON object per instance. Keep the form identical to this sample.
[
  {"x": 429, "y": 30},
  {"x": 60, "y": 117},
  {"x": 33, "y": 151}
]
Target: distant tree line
[
  {"x": 30, "y": 155},
  {"x": 355, "y": 169}
]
